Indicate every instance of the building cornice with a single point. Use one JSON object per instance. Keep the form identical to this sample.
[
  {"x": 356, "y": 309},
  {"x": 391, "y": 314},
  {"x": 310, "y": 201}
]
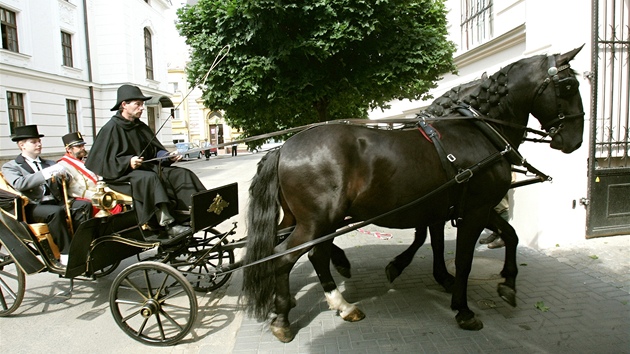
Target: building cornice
[{"x": 507, "y": 40}]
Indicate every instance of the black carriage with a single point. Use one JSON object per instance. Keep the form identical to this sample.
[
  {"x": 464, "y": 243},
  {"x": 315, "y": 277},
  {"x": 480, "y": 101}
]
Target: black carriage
[{"x": 152, "y": 300}]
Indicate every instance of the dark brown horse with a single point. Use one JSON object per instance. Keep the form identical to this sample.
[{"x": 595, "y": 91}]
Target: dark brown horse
[{"x": 327, "y": 173}]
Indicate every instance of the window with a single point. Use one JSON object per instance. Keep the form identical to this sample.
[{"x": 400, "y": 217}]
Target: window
[
  {"x": 148, "y": 54},
  {"x": 176, "y": 114},
  {"x": 8, "y": 26},
  {"x": 476, "y": 22},
  {"x": 71, "y": 111},
  {"x": 15, "y": 101},
  {"x": 174, "y": 86},
  {"x": 66, "y": 47}
]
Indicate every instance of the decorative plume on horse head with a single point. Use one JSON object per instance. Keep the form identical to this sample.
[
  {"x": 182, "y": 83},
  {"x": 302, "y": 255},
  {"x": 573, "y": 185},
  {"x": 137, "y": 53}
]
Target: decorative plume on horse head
[{"x": 369, "y": 173}]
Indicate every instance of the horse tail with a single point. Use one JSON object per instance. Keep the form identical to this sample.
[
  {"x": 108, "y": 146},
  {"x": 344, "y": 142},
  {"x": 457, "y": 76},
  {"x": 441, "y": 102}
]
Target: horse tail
[{"x": 259, "y": 281}]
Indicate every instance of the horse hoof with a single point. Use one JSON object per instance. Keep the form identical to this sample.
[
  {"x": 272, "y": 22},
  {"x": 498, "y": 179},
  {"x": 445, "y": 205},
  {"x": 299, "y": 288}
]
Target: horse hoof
[
  {"x": 392, "y": 272},
  {"x": 471, "y": 324},
  {"x": 283, "y": 334},
  {"x": 344, "y": 271},
  {"x": 507, "y": 294},
  {"x": 354, "y": 315}
]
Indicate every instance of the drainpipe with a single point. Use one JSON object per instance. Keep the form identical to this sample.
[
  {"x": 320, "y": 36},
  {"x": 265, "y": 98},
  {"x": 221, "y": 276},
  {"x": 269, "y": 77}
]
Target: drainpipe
[{"x": 89, "y": 68}]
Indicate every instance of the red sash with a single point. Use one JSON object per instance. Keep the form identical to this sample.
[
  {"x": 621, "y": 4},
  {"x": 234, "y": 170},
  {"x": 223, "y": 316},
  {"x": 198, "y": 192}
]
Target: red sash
[{"x": 80, "y": 166}]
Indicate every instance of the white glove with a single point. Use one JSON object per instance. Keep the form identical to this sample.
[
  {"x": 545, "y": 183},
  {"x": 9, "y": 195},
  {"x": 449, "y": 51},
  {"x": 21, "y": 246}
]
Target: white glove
[{"x": 54, "y": 170}]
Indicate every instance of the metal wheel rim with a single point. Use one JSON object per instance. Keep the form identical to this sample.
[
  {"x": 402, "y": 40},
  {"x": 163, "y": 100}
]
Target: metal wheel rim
[
  {"x": 12, "y": 284},
  {"x": 153, "y": 303}
]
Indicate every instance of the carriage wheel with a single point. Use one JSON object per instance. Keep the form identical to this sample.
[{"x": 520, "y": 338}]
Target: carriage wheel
[
  {"x": 12, "y": 284},
  {"x": 201, "y": 268},
  {"x": 106, "y": 271},
  {"x": 153, "y": 303}
]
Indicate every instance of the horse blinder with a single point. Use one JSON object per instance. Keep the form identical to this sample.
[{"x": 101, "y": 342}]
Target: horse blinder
[{"x": 564, "y": 88}]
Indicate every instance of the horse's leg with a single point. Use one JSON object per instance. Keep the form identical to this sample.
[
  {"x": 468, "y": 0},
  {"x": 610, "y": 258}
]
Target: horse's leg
[
  {"x": 400, "y": 262},
  {"x": 338, "y": 256},
  {"x": 468, "y": 232},
  {"x": 281, "y": 326},
  {"x": 340, "y": 261},
  {"x": 320, "y": 258},
  {"x": 507, "y": 289},
  {"x": 440, "y": 274}
]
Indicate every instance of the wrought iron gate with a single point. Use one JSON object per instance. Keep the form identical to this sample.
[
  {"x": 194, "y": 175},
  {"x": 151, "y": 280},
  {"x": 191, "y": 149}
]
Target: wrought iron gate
[{"x": 608, "y": 203}]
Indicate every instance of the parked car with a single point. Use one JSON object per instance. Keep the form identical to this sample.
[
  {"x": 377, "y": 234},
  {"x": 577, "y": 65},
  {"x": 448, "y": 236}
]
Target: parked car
[
  {"x": 213, "y": 151},
  {"x": 183, "y": 148},
  {"x": 268, "y": 145}
]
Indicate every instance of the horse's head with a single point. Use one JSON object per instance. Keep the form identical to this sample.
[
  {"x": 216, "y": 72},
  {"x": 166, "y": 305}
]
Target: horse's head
[{"x": 557, "y": 103}]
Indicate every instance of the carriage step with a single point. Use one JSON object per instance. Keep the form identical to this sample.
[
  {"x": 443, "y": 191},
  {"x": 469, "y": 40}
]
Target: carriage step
[{"x": 166, "y": 240}]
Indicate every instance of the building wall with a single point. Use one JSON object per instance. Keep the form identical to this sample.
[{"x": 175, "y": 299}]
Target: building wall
[
  {"x": 542, "y": 214},
  {"x": 116, "y": 56}
]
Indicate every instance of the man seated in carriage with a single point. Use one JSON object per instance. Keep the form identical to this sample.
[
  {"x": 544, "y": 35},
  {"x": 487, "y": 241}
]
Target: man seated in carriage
[
  {"x": 83, "y": 183},
  {"x": 119, "y": 153},
  {"x": 41, "y": 181}
]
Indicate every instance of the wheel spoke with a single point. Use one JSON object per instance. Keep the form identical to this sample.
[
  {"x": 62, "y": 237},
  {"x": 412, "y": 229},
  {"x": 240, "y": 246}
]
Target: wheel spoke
[
  {"x": 130, "y": 316},
  {"x": 162, "y": 287},
  {"x": 141, "y": 329},
  {"x": 128, "y": 302},
  {"x": 6, "y": 274},
  {"x": 146, "y": 278},
  {"x": 170, "y": 296},
  {"x": 160, "y": 326},
  {"x": 171, "y": 319},
  {"x": 3, "y": 301},
  {"x": 136, "y": 288},
  {"x": 4, "y": 286}
]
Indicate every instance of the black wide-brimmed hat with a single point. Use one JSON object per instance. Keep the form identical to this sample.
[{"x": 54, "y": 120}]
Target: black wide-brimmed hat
[
  {"x": 25, "y": 132},
  {"x": 129, "y": 93},
  {"x": 73, "y": 139}
]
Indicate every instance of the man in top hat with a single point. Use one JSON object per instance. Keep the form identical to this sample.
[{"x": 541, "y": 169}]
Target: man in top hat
[
  {"x": 118, "y": 154},
  {"x": 33, "y": 177}
]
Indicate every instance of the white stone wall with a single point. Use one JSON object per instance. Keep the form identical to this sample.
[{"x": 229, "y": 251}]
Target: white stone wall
[{"x": 116, "y": 37}]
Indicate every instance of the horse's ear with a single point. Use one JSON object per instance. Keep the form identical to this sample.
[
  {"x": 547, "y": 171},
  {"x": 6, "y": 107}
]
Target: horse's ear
[
  {"x": 567, "y": 57},
  {"x": 484, "y": 75}
]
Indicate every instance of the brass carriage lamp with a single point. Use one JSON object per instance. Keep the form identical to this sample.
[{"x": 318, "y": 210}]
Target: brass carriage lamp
[{"x": 104, "y": 200}]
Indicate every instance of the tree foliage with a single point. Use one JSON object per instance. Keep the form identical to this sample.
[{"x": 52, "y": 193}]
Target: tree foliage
[{"x": 297, "y": 62}]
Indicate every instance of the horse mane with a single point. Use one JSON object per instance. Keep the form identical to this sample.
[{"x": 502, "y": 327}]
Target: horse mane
[{"x": 488, "y": 95}]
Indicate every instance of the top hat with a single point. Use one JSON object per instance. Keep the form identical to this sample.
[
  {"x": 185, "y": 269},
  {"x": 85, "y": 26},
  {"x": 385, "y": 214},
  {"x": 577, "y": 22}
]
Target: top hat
[
  {"x": 73, "y": 139},
  {"x": 129, "y": 93},
  {"x": 25, "y": 132}
]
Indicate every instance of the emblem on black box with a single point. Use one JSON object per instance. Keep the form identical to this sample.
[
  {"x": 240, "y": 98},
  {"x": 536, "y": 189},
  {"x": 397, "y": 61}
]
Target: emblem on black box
[{"x": 218, "y": 204}]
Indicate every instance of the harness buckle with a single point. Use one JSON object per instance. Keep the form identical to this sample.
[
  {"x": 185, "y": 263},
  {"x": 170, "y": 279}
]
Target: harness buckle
[
  {"x": 451, "y": 158},
  {"x": 463, "y": 176}
]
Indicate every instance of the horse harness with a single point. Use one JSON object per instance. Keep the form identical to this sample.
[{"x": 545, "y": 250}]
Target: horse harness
[{"x": 458, "y": 173}]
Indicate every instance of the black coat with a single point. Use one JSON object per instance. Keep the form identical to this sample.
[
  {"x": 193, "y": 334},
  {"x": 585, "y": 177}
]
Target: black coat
[{"x": 153, "y": 182}]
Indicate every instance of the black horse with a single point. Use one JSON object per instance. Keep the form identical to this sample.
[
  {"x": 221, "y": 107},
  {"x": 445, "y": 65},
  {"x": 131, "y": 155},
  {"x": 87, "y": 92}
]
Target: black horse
[
  {"x": 443, "y": 106},
  {"x": 327, "y": 173}
]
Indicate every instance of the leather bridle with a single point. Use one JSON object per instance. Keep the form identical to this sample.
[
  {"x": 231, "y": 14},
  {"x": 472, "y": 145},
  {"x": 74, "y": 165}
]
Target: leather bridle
[{"x": 563, "y": 88}]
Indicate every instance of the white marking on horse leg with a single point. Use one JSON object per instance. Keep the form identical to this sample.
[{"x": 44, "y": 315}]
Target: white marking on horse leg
[{"x": 337, "y": 302}]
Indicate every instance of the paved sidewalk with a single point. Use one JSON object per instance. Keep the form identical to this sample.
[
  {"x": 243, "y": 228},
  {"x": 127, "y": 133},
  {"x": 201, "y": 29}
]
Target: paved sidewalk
[{"x": 571, "y": 299}]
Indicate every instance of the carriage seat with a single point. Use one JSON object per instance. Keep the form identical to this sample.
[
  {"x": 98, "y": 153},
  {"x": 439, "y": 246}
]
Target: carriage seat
[{"x": 13, "y": 204}]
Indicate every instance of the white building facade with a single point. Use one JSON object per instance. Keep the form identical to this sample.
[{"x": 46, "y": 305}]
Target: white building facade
[
  {"x": 62, "y": 61},
  {"x": 493, "y": 33}
]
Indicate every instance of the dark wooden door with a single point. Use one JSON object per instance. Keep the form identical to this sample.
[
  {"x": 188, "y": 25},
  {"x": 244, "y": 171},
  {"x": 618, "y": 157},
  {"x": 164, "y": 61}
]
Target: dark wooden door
[{"x": 608, "y": 201}]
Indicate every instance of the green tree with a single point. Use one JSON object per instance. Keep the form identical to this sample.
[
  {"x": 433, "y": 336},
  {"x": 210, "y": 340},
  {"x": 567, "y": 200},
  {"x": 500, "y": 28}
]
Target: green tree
[{"x": 298, "y": 62}]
